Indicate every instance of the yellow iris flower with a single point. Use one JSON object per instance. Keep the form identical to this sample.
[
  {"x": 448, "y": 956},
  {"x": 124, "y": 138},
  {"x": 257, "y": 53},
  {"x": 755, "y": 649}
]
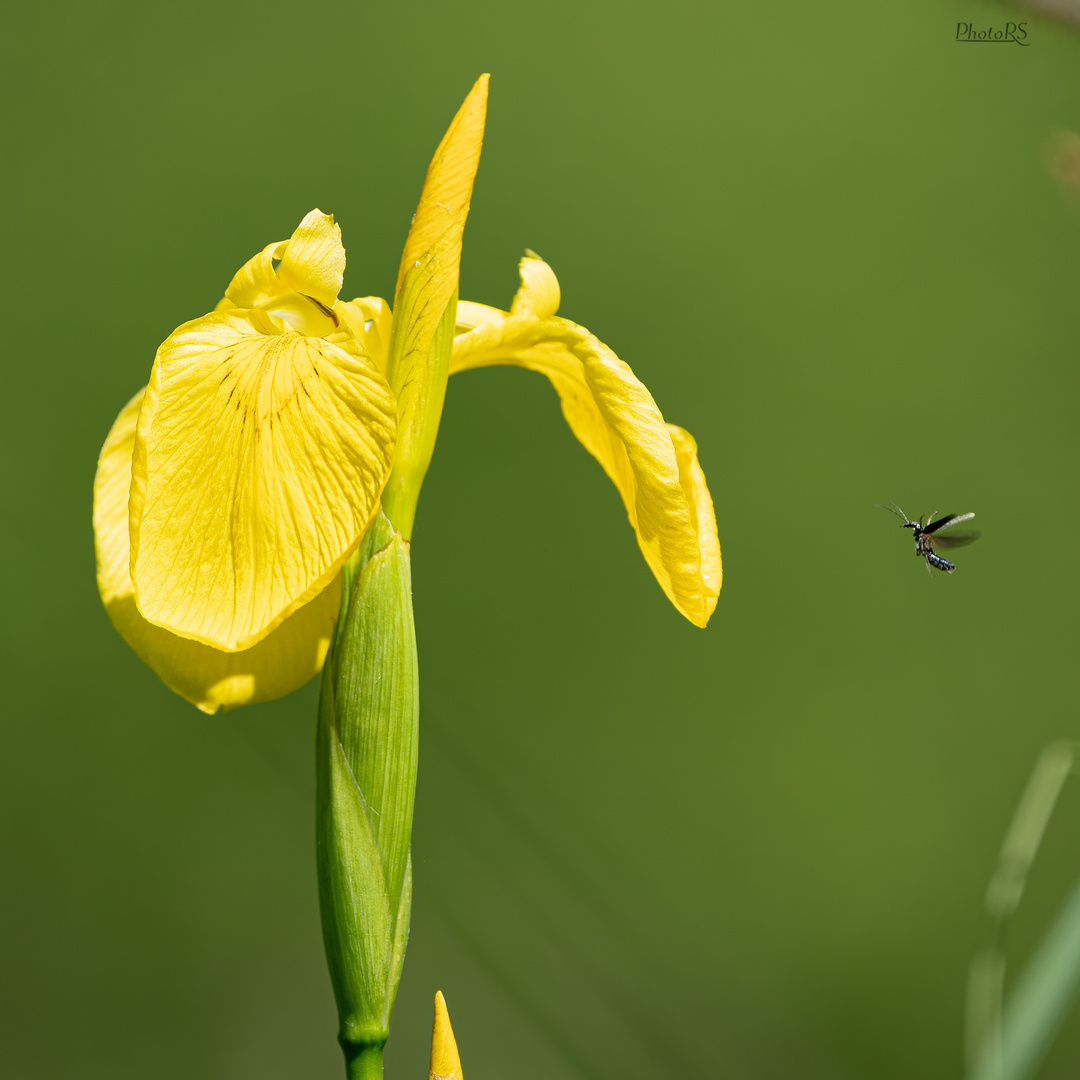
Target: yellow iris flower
[{"x": 232, "y": 489}]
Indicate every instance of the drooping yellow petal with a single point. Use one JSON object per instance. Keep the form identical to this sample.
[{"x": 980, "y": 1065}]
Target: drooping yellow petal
[
  {"x": 471, "y": 315},
  {"x": 426, "y": 289},
  {"x": 702, "y": 515},
  {"x": 280, "y": 663},
  {"x": 260, "y": 456},
  {"x": 653, "y": 464},
  {"x": 445, "y": 1062}
]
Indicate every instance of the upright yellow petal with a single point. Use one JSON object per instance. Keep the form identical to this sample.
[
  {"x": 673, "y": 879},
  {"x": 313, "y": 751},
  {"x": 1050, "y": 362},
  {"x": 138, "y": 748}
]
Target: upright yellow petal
[
  {"x": 539, "y": 292},
  {"x": 369, "y": 319},
  {"x": 653, "y": 464},
  {"x": 260, "y": 456},
  {"x": 445, "y": 1062},
  {"x": 444, "y": 199},
  {"x": 256, "y": 281},
  {"x": 313, "y": 262},
  {"x": 208, "y": 678},
  {"x": 423, "y": 303}
]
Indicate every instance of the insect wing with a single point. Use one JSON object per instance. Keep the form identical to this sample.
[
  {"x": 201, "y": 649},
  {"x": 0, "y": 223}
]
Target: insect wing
[
  {"x": 947, "y": 522},
  {"x": 955, "y": 540}
]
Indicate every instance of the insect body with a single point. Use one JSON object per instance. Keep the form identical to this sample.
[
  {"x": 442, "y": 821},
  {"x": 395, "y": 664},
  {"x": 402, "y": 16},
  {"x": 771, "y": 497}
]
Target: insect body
[{"x": 926, "y": 536}]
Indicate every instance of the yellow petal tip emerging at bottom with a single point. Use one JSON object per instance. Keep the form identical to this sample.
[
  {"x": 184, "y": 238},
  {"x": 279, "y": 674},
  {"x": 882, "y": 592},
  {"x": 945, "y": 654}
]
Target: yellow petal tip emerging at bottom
[{"x": 445, "y": 1062}]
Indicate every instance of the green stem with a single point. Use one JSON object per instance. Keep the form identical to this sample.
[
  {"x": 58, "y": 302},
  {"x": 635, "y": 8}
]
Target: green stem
[
  {"x": 366, "y": 758},
  {"x": 368, "y": 728},
  {"x": 364, "y": 1063}
]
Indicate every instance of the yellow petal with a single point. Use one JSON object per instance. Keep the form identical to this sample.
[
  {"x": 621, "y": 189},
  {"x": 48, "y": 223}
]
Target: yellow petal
[
  {"x": 260, "y": 456},
  {"x": 470, "y": 315},
  {"x": 208, "y": 678},
  {"x": 256, "y": 281},
  {"x": 702, "y": 515},
  {"x": 444, "y": 200},
  {"x": 445, "y": 1062},
  {"x": 539, "y": 292},
  {"x": 424, "y": 301},
  {"x": 654, "y": 465},
  {"x": 369, "y": 319},
  {"x": 313, "y": 262}
]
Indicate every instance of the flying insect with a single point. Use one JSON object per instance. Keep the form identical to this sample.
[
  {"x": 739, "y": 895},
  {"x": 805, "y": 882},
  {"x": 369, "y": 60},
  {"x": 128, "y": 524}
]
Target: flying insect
[{"x": 926, "y": 536}]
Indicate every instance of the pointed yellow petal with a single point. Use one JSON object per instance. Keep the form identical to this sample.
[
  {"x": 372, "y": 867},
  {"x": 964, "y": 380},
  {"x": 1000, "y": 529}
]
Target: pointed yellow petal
[
  {"x": 539, "y": 292},
  {"x": 445, "y": 1062},
  {"x": 260, "y": 456},
  {"x": 208, "y": 678},
  {"x": 313, "y": 262},
  {"x": 653, "y": 464},
  {"x": 426, "y": 291},
  {"x": 444, "y": 200}
]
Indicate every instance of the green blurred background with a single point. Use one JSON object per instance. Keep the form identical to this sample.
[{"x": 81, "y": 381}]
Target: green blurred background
[{"x": 826, "y": 237}]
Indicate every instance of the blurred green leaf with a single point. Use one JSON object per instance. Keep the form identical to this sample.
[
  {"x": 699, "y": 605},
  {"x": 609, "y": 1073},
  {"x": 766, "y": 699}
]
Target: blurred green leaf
[{"x": 1009, "y": 1044}]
